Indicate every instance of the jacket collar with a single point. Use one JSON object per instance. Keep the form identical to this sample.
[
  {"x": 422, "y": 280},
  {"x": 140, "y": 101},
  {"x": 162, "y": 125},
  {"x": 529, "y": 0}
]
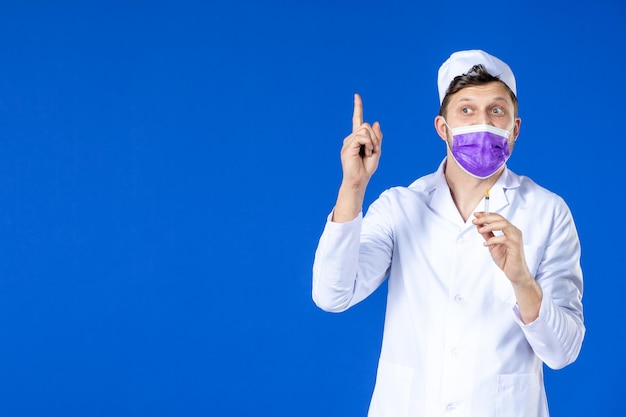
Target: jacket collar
[{"x": 441, "y": 199}]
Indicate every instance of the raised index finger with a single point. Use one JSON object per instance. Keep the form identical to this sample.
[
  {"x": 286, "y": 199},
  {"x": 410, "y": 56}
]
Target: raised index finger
[{"x": 357, "y": 116}]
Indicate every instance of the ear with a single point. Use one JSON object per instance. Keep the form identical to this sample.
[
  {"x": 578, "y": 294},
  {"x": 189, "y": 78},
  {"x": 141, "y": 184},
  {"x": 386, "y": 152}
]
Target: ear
[
  {"x": 516, "y": 127},
  {"x": 440, "y": 127}
]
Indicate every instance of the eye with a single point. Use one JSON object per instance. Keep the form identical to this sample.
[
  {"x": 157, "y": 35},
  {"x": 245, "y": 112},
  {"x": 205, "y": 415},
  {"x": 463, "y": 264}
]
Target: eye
[
  {"x": 497, "y": 110},
  {"x": 465, "y": 110}
]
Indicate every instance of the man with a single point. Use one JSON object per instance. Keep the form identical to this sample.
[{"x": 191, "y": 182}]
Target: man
[{"x": 481, "y": 293}]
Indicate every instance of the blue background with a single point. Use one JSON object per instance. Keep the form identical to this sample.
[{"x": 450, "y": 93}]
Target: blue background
[{"x": 166, "y": 169}]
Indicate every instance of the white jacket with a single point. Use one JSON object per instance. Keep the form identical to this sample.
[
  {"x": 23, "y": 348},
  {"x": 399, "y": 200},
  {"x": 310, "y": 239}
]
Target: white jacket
[{"x": 453, "y": 342}]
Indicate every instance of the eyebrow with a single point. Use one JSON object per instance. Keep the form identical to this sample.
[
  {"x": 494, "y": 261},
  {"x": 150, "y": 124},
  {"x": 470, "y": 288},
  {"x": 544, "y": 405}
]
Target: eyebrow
[{"x": 471, "y": 99}]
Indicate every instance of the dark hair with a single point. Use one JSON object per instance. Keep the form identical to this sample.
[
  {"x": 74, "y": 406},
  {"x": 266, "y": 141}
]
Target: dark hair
[{"x": 477, "y": 75}]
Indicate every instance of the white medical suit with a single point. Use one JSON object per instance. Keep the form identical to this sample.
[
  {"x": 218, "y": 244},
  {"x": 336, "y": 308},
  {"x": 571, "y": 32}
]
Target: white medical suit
[{"x": 453, "y": 342}]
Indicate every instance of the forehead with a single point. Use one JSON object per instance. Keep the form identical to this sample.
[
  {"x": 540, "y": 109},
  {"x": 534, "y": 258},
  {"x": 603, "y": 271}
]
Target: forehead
[{"x": 486, "y": 93}]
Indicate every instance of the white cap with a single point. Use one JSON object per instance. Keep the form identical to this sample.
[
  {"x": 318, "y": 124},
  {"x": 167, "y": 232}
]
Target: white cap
[{"x": 461, "y": 62}]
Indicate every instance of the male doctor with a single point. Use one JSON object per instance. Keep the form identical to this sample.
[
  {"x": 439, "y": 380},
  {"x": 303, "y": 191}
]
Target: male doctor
[{"x": 485, "y": 284}]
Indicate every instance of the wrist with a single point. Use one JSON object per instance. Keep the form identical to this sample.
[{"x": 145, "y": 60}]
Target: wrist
[{"x": 349, "y": 203}]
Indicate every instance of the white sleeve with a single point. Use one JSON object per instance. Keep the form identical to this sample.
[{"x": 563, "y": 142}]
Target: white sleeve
[
  {"x": 352, "y": 259},
  {"x": 557, "y": 334}
]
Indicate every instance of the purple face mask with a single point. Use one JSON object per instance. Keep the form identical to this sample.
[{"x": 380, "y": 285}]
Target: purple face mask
[{"x": 480, "y": 149}]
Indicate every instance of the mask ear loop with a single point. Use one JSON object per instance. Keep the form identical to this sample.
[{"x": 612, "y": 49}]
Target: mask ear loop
[
  {"x": 447, "y": 125},
  {"x": 448, "y": 142},
  {"x": 450, "y": 130}
]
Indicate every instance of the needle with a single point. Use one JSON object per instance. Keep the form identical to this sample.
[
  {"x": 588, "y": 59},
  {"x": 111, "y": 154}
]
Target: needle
[{"x": 487, "y": 202}]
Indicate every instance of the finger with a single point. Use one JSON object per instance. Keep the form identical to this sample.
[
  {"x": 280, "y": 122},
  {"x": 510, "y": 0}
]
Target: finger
[
  {"x": 492, "y": 219},
  {"x": 497, "y": 240},
  {"x": 480, "y": 214},
  {"x": 484, "y": 234},
  {"x": 364, "y": 130},
  {"x": 365, "y": 127},
  {"x": 376, "y": 129},
  {"x": 365, "y": 138},
  {"x": 491, "y": 228},
  {"x": 378, "y": 133},
  {"x": 364, "y": 143},
  {"x": 360, "y": 143},
  {"x": 357, "y": 116}
]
